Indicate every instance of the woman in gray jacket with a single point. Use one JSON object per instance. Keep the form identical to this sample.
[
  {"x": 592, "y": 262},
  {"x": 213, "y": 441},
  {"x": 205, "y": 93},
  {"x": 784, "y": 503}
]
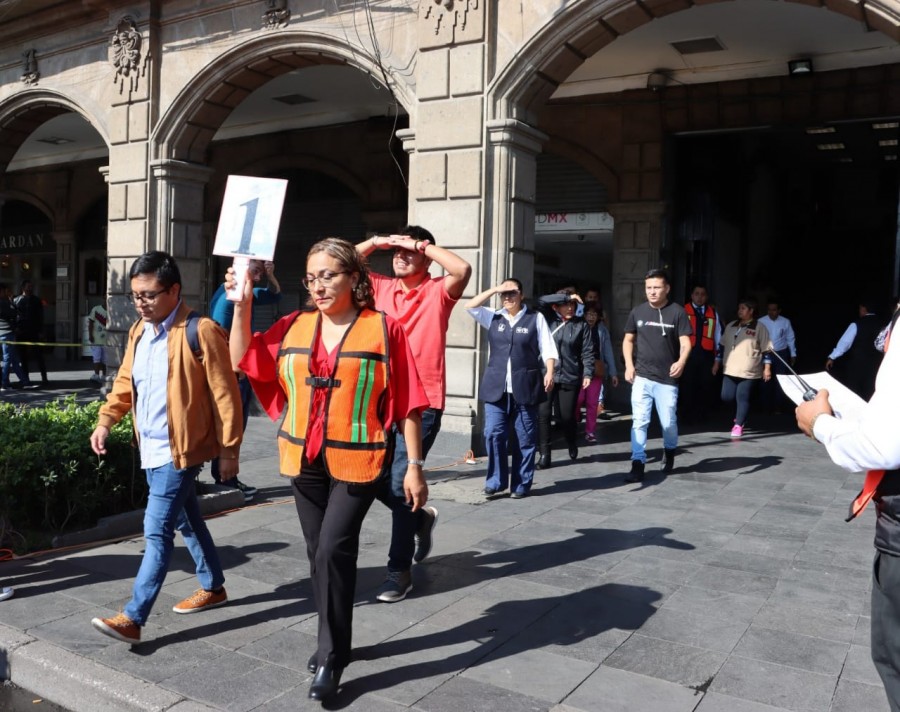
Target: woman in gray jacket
[{"x": 745, "y": 358}]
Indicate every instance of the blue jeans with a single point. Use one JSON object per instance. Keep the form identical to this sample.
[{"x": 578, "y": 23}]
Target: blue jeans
[
  {"x": 171, "y": 504},
  {"x": 11, "y": 362},
  {"x": 497, "y": 417},
  {"x": 644, "y": 394},
  {"x": 390, "y": 493}
]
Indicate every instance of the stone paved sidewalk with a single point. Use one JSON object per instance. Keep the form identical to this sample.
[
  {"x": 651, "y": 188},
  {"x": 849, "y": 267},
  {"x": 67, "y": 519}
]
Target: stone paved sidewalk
[{"x": 732, "y": 585}]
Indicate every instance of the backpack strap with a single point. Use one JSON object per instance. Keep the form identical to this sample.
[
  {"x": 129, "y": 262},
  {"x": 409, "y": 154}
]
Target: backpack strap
[{"x": 192, "y": 323}]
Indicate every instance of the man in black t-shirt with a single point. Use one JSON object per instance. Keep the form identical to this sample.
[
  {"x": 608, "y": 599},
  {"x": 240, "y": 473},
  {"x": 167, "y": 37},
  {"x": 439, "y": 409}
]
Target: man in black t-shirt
[{"x": 656, "y": 348}]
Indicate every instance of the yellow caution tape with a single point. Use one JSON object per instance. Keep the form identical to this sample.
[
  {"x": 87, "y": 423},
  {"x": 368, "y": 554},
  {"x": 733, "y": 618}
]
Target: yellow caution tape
[{"x": 45, "y": 343}]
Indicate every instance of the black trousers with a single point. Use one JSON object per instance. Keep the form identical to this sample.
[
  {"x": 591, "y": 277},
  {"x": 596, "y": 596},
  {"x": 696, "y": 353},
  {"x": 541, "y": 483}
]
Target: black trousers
[
  {"x": 563, "y": 399},
  {"x": 331, "y": 516},
  {"x": 886, "y": 624},
  {"x": 697, "y": 391},
  {"x": 29, "y": 354}
]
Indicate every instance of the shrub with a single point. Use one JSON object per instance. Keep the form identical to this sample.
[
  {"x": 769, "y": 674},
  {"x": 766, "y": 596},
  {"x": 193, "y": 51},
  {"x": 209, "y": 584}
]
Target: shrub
[{"x": 51, "y": 480}]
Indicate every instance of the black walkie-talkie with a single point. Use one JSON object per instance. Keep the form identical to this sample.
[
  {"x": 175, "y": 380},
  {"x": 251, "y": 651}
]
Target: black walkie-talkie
[{"x": 809, "y": 392}]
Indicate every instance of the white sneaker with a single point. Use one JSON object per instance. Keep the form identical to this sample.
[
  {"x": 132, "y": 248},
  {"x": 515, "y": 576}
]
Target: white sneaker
[{"x": 6, "y": 592}]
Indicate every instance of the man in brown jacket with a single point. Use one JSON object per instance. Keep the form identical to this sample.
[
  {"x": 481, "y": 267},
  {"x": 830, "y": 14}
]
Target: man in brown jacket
[{"x": 186, "y": 409}]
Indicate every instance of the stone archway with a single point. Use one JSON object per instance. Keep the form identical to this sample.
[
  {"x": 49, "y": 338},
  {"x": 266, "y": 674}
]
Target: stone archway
[
  {"x": 184, "y": 133},
  {"x": 181, "y": 140},
  {"x": 20, "y": 117},
  {"x": 554, "y": 51}
]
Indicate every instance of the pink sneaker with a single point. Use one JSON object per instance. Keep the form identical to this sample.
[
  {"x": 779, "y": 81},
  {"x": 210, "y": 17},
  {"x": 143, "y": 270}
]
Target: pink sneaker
[
  {"x": 737, "y": 431},
  {"x": 591, "y": 438}
]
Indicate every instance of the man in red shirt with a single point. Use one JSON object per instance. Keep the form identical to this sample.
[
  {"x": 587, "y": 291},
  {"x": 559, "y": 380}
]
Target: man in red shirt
[{"x": 422, "y": 305}]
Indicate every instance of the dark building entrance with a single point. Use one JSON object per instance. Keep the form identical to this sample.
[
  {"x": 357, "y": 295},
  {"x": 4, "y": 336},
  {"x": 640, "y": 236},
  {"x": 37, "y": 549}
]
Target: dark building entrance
[{"x": 807, "y": 215}]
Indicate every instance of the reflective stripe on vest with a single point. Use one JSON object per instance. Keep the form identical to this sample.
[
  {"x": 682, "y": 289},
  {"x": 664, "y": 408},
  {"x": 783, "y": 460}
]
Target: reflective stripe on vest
[
  {"x": 355, "y": 441},
  {"x": 708, "y": 330}
]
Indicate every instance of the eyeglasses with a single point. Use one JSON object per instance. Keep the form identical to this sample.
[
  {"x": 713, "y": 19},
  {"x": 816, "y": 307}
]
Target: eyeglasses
[
  {"x": 509, "y": 294},
  {"x": 325, "y": 278},
  {"x": 147, "y": 297}
]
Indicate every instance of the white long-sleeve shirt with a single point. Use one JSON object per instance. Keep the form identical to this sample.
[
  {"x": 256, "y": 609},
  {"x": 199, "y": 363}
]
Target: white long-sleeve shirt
[
  {"x": 869, "y": 442},
  {"x": 845, "y": 342},
  {"x": 782, "y": 333}
]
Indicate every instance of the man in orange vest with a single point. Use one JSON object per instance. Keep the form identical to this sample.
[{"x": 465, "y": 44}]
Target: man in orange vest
[
  {"x": 696, "y": 393},
  {"x": 870, "y": 442}
]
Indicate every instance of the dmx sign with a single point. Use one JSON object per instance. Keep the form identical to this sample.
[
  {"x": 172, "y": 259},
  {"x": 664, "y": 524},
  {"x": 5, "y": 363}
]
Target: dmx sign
[
  {"x": 26, "y": 242},
  {"x": 573, "y": 222}
]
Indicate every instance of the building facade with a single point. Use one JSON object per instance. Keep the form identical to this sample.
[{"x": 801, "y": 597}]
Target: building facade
[{"x": 578, "y": 141}]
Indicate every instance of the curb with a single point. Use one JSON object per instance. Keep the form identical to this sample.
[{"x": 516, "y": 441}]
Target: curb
[
  {"x": 218, "y": 500},
  {"x": 78, "y": 683},
  {"x": 81, "y": 684}
]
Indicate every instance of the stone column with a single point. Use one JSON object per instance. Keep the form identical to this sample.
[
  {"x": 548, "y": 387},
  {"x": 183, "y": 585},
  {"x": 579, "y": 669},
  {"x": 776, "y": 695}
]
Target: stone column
[
  {"x": 67, "y": 330},
  {"x": 509, "y": 212},
  {"x": 446, "y": 165},
  {"x": 177, "y": 194}
]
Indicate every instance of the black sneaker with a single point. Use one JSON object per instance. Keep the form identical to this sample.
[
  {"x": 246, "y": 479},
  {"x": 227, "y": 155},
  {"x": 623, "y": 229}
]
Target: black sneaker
[
  {"x": 668, "y": 461},
  {"x": 637, "y": 472},
  {"x": 395, "y": 586},
  {"x": 425, "y": 534},
  {"x": 249, "y": 492}
]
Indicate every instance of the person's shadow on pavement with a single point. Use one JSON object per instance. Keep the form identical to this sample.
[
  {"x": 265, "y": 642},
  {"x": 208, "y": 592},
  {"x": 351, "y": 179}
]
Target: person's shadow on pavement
[{"x": 505, "y": 629}]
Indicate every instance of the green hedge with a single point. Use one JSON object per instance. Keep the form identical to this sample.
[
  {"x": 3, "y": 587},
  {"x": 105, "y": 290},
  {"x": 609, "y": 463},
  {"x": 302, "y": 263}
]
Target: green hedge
[{"x": 50, "y": 479}]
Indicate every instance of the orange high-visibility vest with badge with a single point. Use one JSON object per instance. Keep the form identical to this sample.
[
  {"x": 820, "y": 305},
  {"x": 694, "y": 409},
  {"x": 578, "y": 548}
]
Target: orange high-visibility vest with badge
[
  {"x": 356, "y": 445},
  {"x": 705, "y": 327}
]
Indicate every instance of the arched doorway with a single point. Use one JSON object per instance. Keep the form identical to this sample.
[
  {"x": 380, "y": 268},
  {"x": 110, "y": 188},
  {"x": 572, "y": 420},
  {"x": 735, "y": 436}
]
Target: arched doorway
[
  {"x": 306, "y": 111},
  {"x": 624, "y": 84},
  {"x": 51, "y": 155}
]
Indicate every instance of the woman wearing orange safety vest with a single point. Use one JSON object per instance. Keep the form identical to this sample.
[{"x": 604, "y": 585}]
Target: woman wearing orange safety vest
[{"x": 342, "y": 373}]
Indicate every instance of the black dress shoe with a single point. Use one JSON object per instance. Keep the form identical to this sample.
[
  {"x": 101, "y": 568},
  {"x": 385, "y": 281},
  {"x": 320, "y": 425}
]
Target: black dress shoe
[
  {"x": 543, "y": 461},
  {"x": 313, "y": 663},
  {"x": 573, "y": 453},
  {"x": 326, "y": 681}
]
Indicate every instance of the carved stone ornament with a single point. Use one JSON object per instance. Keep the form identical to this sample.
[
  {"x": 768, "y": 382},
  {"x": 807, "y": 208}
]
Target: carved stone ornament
[
  {"x": 30, "y": 73},
  {"x": 125, "y": 54},
  {"x": 448, "y": 22},
  {"x": 278, "y": 15}
]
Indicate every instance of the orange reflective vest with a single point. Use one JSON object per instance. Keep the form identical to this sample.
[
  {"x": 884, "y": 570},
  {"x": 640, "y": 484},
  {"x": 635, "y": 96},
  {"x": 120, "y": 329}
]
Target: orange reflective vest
[
  {"x": 356, "y": 445},
  {"x": 706, "y": 328}
]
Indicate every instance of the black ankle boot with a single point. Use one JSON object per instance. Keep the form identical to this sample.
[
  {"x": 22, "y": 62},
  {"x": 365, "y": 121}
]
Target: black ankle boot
[
  {"x": 326, "y": 681},
  {"x": 668, "y": 461},
  {"x": 543, "y": 461}
]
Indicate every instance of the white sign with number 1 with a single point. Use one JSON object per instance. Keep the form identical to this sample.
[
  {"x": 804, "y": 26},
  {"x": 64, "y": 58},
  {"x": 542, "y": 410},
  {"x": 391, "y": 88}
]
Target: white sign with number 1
[{"x": 248, "y": 223}]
